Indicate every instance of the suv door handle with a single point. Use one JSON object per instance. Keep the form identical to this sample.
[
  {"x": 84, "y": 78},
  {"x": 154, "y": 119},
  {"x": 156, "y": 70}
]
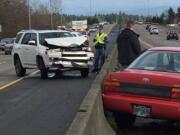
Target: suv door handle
[{"x": 27, "y": 49}]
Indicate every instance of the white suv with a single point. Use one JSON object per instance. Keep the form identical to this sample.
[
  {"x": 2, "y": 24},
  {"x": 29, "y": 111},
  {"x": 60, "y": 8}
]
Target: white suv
[{"x": 51, "y": 50}]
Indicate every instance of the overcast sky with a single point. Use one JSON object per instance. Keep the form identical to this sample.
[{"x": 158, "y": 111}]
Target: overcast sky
[{"x": 108, "y": 6}]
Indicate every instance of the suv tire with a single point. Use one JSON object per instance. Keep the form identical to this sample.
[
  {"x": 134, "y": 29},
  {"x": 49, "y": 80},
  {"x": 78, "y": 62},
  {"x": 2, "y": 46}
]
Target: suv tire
[
  {"x": 20, "y": 71},
  {"x": 43, "y": 69},
  {"x": 85, "y": 72}
]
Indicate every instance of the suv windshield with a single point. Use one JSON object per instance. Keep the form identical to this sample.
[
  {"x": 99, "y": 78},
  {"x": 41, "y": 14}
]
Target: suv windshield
[
  {"x": 158, "y": 61},
  {"x": 43, "y": 36}
]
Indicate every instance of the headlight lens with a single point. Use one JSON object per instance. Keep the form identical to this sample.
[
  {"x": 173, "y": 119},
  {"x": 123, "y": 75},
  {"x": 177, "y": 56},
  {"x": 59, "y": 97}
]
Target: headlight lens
[{"x": 88, "y": 49}]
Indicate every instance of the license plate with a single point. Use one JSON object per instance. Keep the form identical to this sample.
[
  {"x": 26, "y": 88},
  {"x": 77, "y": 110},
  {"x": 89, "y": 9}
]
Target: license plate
[{"x": 141, "y": 111}]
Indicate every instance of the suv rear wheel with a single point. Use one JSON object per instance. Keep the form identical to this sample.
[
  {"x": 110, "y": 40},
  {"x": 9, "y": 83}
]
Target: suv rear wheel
[
  {"x": 43, "y": 69},
  {"x": 85, "y": 72},
  {"x": 20, "y": 71}
]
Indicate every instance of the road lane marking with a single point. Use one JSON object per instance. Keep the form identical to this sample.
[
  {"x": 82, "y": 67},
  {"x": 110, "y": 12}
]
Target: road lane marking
[
  {"x": 17, "y": 80},
  {"x": 145, "y": 43},
  {"x": 11, "y": 83}
]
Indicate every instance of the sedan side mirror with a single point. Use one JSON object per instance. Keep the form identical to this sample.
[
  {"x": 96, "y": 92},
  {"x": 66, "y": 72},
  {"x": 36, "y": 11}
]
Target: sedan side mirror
[{"x": 32, "y": 42}]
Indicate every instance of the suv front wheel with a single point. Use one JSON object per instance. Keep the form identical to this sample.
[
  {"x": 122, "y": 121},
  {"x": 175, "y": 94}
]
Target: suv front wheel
[
  {"x": 20, "y": 71},
  {"x": 43, "y": 69}
]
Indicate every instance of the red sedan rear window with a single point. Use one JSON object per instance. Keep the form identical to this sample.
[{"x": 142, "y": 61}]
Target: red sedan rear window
[{"x": 164, "y": 61}]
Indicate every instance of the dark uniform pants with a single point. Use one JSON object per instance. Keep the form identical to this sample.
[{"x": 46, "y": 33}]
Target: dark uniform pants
[{"x": 99, "y": 58}]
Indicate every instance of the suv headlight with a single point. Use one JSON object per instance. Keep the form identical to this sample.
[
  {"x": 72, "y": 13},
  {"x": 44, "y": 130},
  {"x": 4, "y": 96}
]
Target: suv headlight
[{"x": 87, "y": 49}]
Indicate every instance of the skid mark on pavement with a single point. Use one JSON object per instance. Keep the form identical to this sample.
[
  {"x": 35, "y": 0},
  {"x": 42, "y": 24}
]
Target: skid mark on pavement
[{"x": 17, "y": 80}]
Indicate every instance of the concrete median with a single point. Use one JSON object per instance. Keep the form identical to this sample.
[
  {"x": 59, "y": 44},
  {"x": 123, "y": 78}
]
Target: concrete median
[{"x": 90, "y": 119}]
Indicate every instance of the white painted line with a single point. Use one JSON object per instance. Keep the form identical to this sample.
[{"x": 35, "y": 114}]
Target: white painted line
[{"x": 17, "y": 80}]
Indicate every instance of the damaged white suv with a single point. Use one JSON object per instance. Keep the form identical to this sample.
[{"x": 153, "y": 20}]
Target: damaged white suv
[{"x": 51, "y": 50}]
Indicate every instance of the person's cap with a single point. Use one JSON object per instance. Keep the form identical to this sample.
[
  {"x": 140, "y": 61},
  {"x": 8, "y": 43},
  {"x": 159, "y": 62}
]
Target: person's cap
[{"x": 100, "y": 27}]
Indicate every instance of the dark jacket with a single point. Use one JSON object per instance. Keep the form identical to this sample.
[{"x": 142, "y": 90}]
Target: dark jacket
[{"x": 128, "y": 45}]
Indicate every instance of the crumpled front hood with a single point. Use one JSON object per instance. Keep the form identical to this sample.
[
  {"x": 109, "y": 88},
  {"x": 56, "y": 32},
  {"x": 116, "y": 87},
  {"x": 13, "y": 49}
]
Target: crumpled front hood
[{"x": 66, "y": 42}]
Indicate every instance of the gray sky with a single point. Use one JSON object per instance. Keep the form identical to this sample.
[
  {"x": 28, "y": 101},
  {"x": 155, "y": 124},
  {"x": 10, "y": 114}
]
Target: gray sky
[{"x": 108, "y": 6}]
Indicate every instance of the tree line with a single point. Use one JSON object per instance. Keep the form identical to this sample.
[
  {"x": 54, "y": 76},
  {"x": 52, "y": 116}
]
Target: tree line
[
  {"x": 14, "y": 16},
  {"x": 167, "y": 17}
]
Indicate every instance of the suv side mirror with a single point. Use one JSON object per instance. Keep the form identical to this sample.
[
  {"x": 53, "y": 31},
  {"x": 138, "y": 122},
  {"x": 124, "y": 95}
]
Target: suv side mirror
[{"x": 32, "y": 42}]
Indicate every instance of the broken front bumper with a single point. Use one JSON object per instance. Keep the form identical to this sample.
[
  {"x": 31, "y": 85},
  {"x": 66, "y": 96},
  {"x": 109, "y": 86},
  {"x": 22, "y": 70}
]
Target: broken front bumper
[{"x": 75, "y": 64}]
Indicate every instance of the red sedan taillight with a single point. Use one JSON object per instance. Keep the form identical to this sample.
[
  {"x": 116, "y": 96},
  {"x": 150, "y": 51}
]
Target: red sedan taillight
[
  {"x": 175, "y": 93},
  {"x": 111, "y": 86}
]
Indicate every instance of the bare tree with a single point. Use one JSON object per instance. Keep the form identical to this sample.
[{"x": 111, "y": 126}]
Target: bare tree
[
  {"x": 56, "y": 6},
  {"x": 40, "y": 18},
  {"x": 13, "y": 16}
]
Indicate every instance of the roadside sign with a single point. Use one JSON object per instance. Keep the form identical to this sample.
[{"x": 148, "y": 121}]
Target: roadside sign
[{"x": 81, "y": 24}]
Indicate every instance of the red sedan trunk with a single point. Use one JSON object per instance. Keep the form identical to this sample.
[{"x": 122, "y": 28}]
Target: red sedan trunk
[{"x": 143, "y": 93}]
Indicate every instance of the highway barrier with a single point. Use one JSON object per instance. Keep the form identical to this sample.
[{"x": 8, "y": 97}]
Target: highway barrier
[{"x": 90, "y": 119}]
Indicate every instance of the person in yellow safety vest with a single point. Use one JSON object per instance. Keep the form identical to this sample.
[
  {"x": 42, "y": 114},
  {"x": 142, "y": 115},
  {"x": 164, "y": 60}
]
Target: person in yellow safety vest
[{"x": 100, "y": 46}]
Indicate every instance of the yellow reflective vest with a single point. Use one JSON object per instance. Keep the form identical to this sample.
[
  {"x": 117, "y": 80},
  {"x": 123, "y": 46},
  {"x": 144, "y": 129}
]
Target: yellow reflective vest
[{"x": 100, "y": 38}]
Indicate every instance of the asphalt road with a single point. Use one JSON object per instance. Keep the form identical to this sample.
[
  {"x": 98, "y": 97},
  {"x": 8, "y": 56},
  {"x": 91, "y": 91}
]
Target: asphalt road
[
  {"x": 156, "y": 40},
  {"x": 144, "y": 126},
  {"x": 33, "y": 106}
]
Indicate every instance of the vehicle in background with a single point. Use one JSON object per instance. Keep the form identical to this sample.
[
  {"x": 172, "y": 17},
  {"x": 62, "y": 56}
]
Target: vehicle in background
[
  {"x": 147, "y": 27},
  {"x": 104, "y": 23},
  {"x": 51, "y": 50},
  {"x": 92, "y": 29},
  {"x": 172, "y": 34},
  {"x": 81, "y": 34},
  {"x": 5, "y": 41},
  {"x": 150, "y": 27},
  {"x": 139, "y": 22},
  {"x": 97, "y": 26},
  {"x": 61, "y": 27},
  {"x": 79, "y": 25},
  {"x": 146, "y": 88},
  {"x": 154, "y": 30},
  {"x": 85, "y": 34},
  {"x": 8, "y": 47},
  {"x": 76, "y": 34}
]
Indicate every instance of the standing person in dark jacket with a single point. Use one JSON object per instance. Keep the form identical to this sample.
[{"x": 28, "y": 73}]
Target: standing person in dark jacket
[{"x": 128, "y": 45}]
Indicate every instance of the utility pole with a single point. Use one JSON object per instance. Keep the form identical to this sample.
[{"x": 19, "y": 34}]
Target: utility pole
[
  {"x": 29, "y": 12},
  {"x": 51, "y": 14},
  {"x": 148, "y": 7},
  {"x": 90, "y": 5},
  {"x": 61, "y": 11}
]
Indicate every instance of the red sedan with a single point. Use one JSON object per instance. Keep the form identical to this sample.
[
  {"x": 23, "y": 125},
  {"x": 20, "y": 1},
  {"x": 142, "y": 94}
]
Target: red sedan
[{"x": 149, "y": 87}]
